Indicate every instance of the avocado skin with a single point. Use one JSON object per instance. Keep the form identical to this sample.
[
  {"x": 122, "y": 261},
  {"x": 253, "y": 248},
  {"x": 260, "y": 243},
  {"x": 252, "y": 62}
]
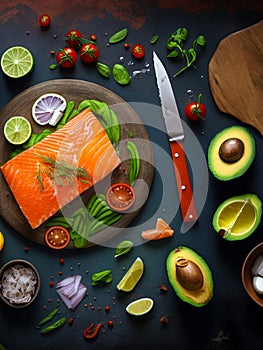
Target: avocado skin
[
  {"x": 254, "y": 199},
  {"x": 197, "y": 298},
  {"x": 220, "y": 169}
]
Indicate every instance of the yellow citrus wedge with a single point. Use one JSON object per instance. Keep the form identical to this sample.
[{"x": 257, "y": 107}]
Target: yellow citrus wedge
[
  {"x": 132, "y": 276},
  {"x": 140, "y": 306},
  {"x": 2, "y": 241}
]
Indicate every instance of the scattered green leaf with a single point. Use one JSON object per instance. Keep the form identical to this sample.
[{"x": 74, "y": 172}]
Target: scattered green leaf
[
  {"x": 103, "y": 276},
  {"x": 120, "y": 74},
  {"x": 123, "y": 248},
  {"x": 154, "y": 39},
  {"x": 118, "y": 36}
]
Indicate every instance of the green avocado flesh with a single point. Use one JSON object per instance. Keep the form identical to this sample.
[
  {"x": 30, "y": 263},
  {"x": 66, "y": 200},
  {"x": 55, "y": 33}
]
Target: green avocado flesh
[
  {"x": 196, "y": 297},
  {"x": 223, "y": 170},
  {"x": 238, "y": 217}
]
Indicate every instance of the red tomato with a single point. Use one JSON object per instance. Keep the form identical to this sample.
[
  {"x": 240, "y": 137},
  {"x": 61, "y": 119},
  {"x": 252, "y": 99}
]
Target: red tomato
[
  {"x": 44, "y": 20},
  {"x": 89, "y": 52},
  {"x": 73, "y": 38},
  {"x": 195, "y": 110},
  {"x": 66, "y": 57},
  {"x": 138, "y": 51}
]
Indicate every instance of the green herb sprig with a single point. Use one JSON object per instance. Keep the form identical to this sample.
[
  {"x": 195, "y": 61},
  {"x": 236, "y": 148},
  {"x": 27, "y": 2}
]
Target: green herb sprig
[
  {"x": 175, "y": 43},
  {"x": 103, "y": 276}
]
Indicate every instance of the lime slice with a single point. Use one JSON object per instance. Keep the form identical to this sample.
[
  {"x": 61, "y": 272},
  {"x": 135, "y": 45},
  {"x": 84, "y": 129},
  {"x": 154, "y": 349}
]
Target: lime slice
[
  {"x": 17, "y": 130},
  {"x": 17, "y": 61},
  {"x": 238, "y": 217},
  {"x": 140, "y": 306},
  {"x": 132, "y": 276}
]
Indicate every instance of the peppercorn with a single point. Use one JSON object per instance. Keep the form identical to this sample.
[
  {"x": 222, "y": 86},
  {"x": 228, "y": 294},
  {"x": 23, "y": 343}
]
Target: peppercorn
[
  {"x": 110, "y": 323},
  {"x": 107, "y": 308}
]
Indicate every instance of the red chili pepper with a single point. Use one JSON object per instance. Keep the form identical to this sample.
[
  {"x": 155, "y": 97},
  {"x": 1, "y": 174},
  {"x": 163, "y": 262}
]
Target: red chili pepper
[{"x": 90, "y": 332}]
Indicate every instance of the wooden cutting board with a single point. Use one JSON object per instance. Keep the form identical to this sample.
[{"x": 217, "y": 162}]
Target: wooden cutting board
[
  {"x": 236, "y": 75},
  {"x": 130, "y": 122}
]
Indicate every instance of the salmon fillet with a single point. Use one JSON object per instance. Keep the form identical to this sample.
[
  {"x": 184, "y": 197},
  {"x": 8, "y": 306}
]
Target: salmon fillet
[{"x": 53, "y": 172}]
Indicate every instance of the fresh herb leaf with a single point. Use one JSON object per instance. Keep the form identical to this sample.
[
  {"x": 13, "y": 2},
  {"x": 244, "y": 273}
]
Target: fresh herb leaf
[
  {"x": 120, "y": 74},
  {"x": 103, "y": 276},
  {"x": 123, "y": 248},
  {"x": 118, "y": 36},
  {"x": 103, "y": 69}
]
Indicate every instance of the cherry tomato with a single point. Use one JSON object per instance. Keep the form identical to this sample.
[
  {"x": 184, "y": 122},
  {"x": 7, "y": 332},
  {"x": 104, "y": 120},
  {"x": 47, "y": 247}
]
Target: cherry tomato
[
  {"x": 73, "y": 38},
  {"x": 195, "y": 110},
  {"x": 44, "y": 20},
  {"x": 89, "y": 52},
  {"x": 138, "y": 51},
  {"x": 66, "y": 57}
]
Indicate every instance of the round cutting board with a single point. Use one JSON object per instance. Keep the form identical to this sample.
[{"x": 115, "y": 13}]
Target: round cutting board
[
  {"x": 236, "y": 75},
  {"x": 130, "y": 122}
]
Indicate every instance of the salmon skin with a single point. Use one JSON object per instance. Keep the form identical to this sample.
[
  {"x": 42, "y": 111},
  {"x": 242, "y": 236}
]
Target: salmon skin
[{"x": 53, "y": 172}]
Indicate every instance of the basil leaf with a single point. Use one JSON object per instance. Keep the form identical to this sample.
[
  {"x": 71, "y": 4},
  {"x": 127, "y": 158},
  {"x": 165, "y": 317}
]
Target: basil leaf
[
  {"x": 123, "y": 248},
  {"x": 103, "y": 276},
  {"x": 103, "y": 69},
  {"x": 120, "y": 74},
  {"x": 118, "y": 36},
  {"x": 154, "y": 39}
]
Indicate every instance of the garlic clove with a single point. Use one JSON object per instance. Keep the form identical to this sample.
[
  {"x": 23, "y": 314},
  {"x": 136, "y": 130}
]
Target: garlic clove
[
  {"x": 257, "y": 267},
  {"x": 258, "y": 284}
]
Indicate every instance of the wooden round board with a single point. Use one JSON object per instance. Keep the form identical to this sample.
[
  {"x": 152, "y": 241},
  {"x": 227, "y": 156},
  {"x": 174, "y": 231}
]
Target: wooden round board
[
  {"x": 76, "y": 90},
  {"x": 235, "y": 75}
]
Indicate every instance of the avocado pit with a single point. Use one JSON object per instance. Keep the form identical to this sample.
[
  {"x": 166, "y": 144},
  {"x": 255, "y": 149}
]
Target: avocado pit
[
  {"x": 189, "y": 274},
  {"x": 231, "y": 150}
]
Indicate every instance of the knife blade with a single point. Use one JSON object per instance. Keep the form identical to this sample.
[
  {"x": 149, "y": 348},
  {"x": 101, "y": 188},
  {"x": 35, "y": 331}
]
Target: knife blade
[{"x": 175, "y": 133}]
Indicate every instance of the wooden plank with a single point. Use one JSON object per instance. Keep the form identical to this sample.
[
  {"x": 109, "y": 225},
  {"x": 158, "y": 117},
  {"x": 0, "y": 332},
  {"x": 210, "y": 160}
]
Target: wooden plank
[{"x": 236, "y": 75}]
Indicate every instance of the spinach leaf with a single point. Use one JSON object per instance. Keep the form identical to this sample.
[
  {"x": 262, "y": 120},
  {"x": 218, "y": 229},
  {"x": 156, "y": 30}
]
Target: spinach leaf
[
  {"x": 120, "y": 74},
  {"x": 123, "y": 248}
]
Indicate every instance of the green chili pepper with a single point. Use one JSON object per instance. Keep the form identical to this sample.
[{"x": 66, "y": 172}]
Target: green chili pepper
[
  {"x": 154, "y": 39},
  {"x": 59, "y": 323},
  {"x": 48, "y": 317},
  {"x": 118, "y": 36}
]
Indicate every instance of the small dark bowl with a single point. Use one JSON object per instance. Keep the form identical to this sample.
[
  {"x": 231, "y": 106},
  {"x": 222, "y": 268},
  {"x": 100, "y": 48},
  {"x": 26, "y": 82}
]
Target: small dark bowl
[
  {"x": 37, "y": 287},
  {"x": 247, "y": 277}
]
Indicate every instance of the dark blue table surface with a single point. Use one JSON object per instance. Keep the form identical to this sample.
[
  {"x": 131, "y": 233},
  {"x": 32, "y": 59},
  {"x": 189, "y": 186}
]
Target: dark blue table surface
[{"x": 230, "y": 320}]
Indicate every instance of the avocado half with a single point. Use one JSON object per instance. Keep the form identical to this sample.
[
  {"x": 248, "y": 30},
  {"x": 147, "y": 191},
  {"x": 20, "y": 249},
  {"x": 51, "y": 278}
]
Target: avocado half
[
  {"x": 199, "y": 296},
  {"x": 226, "y": 219},
  {"x": 223, "y": 170}
]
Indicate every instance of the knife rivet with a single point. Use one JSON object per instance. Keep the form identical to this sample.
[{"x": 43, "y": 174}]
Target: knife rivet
[
  {"x": 190, "y": 216},
  {"x": 176, "y": 155},
  {"x": 183, "y": 187}
]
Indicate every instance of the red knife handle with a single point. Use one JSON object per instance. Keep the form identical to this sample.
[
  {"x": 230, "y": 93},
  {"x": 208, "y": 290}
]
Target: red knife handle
[{"x": 184, "y": 186}]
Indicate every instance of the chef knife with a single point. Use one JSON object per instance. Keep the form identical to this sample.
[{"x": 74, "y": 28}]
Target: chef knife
[{"x": 175, "y": 133}]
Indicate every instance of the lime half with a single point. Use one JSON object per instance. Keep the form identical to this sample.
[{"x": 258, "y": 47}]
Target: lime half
[
  {"x": 17, "y": 61},
  {"x": 140, "y": 306},
  {"x": 17, "y": 130}
]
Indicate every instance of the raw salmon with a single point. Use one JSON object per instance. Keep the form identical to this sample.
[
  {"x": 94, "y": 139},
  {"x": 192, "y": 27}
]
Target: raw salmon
[
  {"x": 53, "y": 172},
  {"x": 161, "y": 230}
]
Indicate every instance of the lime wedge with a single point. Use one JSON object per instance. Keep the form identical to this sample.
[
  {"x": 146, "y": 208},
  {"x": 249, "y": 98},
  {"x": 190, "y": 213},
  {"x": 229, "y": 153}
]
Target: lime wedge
[
  {"x": 17, "y": 61},
  {"x": 132, "y": 276},
  {"x": 17, "y": 130},
  {"x": 140, "y": 306}
]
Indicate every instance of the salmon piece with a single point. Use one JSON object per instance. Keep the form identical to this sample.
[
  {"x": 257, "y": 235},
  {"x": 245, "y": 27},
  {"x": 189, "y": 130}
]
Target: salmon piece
[
  {"x": 161, "y": 230},
  {"x": 53, "y": 172}
]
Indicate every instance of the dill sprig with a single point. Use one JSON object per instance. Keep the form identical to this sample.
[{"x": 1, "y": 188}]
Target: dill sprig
[{"x": 60, "y": 171}]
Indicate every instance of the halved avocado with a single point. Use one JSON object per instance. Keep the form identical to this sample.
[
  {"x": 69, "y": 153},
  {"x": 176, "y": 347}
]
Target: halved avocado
[
  {"x": 238, "y": 217},
  {"x": 190, "y": 276},
  {"x": 226, "y": 164}
]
